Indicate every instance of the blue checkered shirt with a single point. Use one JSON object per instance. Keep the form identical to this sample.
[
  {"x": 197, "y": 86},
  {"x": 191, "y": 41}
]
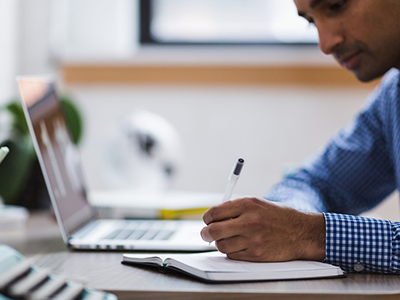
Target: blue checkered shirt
[{"x": 359, "y": 168}]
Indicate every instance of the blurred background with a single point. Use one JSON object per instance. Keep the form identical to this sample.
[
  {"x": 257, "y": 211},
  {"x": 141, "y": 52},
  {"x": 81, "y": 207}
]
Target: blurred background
[{"x": 203, "y": 82}]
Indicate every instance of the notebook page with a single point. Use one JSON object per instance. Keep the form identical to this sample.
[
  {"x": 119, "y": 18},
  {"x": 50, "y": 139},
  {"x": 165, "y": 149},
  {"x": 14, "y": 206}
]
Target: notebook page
[{"x": 218, "y": 262}]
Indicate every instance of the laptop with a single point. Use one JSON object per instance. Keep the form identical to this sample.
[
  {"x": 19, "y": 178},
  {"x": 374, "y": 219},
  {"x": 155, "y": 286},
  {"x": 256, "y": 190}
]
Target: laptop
[{"x": 60, "y": 163}]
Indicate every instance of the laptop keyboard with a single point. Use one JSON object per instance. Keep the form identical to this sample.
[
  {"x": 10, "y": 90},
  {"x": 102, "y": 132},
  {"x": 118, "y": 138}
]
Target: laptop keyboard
[{"x": 142, "y": 231}]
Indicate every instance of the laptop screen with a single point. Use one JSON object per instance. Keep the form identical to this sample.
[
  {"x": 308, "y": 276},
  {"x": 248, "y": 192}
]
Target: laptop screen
[{"x": 58, "y": 156}]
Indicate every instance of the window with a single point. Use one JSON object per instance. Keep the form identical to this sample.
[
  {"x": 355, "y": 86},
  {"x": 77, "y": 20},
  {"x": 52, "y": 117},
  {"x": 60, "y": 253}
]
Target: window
[{"x": 224, "y": 22}]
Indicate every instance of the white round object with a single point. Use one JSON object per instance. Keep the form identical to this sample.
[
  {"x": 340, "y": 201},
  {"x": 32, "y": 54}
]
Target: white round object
[{"x": 143, "y": 152}]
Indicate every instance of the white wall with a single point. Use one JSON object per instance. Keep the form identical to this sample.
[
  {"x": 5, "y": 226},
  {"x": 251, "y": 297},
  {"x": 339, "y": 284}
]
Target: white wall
[
  {"x": 35, "y": 54},
  {"x": 269, "y": 126},
  {"x": 8, "y": 47},
  {"x": 94, "y": 29},
  {"x": 50, "y": 30}
]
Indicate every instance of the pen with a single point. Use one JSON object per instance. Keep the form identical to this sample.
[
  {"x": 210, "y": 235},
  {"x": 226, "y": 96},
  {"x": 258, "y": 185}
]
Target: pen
[
  {"x": 233, "y": 178},
  {"x": 3, "y": 153}
]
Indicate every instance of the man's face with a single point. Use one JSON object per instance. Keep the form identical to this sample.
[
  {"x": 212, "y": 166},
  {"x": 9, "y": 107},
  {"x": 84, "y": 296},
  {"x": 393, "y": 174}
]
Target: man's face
[{"x": 362, "y": 35}]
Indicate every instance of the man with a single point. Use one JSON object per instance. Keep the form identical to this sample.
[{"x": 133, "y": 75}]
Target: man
[{"x": 357, "y": 170}]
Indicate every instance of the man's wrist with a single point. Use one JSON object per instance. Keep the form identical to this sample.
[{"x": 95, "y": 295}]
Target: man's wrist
[{"x": 313, "y": 237}]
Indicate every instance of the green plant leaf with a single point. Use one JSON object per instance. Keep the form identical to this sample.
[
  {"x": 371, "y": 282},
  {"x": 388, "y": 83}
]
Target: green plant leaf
[
  {"x": 73, "y": 119},
  {"x": 17, "y": 166},
  {"x": 19, "y": 121}
]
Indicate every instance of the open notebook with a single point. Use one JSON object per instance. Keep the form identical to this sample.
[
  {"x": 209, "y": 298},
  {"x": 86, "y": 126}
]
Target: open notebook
[{"x": 216, "y": 267}]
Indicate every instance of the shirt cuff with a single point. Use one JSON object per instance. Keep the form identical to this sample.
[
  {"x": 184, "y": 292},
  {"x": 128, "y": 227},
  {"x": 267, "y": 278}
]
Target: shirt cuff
[{"x": 358, "y": 244}]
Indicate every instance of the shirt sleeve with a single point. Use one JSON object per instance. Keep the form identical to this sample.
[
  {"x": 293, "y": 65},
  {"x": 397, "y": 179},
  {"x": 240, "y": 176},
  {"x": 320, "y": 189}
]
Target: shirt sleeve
[
  {"x": 352, "y": 174},
  {"x": 360, "y": 244}
]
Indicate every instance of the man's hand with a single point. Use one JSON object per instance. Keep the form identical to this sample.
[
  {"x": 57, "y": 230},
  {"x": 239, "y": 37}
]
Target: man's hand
[{"x": 254, "y": 229}]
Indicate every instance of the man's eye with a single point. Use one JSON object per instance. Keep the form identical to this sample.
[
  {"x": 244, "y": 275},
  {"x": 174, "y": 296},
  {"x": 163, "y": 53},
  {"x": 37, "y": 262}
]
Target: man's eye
[{"x": 337, "y": 5}]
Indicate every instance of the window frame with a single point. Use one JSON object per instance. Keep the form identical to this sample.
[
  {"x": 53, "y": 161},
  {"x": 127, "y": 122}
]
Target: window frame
[{"x": 146, "y": 39}]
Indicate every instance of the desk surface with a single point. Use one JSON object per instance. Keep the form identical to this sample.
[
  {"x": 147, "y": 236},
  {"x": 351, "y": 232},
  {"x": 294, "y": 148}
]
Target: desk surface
[{"x": 103, "y": 270}]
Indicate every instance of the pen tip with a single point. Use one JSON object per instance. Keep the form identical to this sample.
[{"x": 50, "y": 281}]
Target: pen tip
[{"x": 241, "y": 160}]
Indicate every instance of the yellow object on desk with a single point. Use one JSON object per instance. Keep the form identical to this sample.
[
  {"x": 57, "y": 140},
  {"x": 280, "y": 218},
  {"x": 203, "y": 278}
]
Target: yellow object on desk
[
  {"x": 168, "y": 205},
  {"x": 182, "y": 214}
]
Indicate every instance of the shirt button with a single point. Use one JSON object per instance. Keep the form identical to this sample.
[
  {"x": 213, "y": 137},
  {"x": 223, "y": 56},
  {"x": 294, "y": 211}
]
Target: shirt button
[{"x": 358, "y": 267}]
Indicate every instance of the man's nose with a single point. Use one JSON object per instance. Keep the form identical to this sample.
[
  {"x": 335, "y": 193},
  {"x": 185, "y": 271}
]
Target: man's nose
[{"x": 329, "y": 38}]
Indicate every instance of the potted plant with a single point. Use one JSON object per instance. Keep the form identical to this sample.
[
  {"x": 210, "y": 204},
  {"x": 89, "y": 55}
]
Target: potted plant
[{"x": 21, "y": 179}]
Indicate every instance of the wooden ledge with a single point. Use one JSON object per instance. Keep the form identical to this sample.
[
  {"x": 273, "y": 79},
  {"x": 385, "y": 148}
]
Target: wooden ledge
[{"x": 327, "y": 76}]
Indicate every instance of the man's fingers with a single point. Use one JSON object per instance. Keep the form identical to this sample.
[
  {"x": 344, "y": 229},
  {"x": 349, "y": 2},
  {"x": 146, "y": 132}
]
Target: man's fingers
[
  {"x": 205, "y": 235},
  {"x": 229, "y": 209},
  {"x": 239, "y": 255},
  {"x": 224, "y": 211},
  {"x": 232, "y": 245},
  {"x": 221, "y": 230},
  {"x": 247, "y": 254}
]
